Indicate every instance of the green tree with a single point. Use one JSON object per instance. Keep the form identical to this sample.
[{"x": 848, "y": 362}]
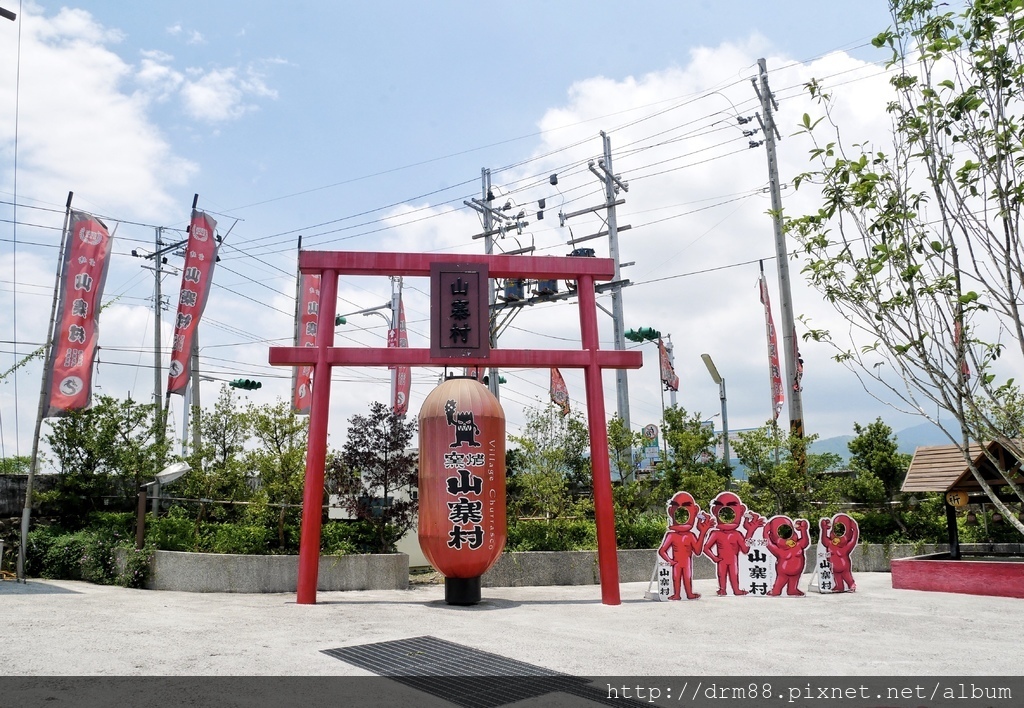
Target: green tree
[
  {"x": 279, "y": 461},
  {"x": 219, "y": 470},
  {"x": 553, "y": 470},
  {"x": 18, "y": 464},
  {"x": 691, "y": 465},
  {"x": 622, "y": 445},
  {"x": 381, "y": 469},
  {"x": 918, "y": 246},
  {"x": 102, "y": 454},
  {"x": 876, "y": 462},
  {"x": 776, "y": 484}
]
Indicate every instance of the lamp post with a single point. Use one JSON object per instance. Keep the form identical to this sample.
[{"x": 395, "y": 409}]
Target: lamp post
[
  {"x": 165, "y": 476},
  {"x": 717, "y": 378},
  {"x": 649, "y": 334}
]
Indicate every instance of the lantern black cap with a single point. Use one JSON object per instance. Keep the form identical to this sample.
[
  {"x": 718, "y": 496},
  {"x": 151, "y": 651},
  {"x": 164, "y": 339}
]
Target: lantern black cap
[{"x": 462, "y": 591}]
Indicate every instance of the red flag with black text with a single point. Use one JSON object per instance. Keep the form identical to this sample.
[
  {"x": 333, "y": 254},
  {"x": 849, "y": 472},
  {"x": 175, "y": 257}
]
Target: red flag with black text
[
  {"x": 398, "y": 337},
  {"x": 778, "y": 391},
  {"x": 73, "y": 346},
  {"x": 668, "y": 374},
  {"x": 559, "y": 392},
  {"x": 196, "y": 278},
  {"x": 307, "y": 310}
]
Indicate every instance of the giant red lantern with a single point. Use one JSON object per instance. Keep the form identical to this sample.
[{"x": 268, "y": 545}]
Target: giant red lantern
[{"x": 462, "y": 527}]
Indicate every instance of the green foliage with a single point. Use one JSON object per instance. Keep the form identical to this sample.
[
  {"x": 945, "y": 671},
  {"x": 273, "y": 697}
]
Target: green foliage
[
  {"x": 218, "y": 464},
  {"x": 692, "y": 464},
  {"x": 102, "y": 454},
  {"x": 554, "y": 535},
  {"x": 643, "y": 531},
  {"x": 918, "y": 247},
  {"x": 552, "y": 472},
  {"x": 621, "y": 445},
  {"x": 15, "y": 464},
  {"x": 375, "y": 474},
  {"x": 85, "y": 555},
  {"x": 783, "y": 478},
  {"x": 348, "y": 537}
]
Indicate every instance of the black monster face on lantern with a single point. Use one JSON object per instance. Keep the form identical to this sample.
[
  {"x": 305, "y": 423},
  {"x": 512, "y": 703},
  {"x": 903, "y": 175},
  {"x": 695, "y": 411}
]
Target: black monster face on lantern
[{"x": 466, "y": 428}]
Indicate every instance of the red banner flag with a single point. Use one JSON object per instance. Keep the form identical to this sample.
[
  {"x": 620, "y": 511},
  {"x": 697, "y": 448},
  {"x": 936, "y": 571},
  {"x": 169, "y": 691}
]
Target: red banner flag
[
  {"x": 200, "y": 257},
  {"x": 958, "y": 333},
  {"x": 307, "y": 310},
  {"x": 668, "y": 374},
  {"x": 73, "y": 347},
  {"x": 799, "y": 363},
  {"x": 398, "y": 337},
  {"x": 778, "y": 391},
  {"x": 559, "y": 392}
]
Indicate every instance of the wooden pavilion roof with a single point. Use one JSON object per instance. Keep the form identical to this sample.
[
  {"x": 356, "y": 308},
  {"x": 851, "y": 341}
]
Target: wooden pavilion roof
[{"x": 942, "y": 468}]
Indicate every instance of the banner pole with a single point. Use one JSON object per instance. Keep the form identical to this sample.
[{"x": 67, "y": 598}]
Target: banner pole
[{"x": 26, "y": 512}]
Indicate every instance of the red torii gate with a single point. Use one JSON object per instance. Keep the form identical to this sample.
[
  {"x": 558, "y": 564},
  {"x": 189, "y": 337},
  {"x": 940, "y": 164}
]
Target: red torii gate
[{"x": 324, "y": 356}]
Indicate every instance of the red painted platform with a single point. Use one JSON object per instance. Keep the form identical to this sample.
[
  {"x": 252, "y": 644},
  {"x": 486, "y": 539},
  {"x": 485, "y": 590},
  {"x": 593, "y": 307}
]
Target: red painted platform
[{"x": 970, "y": 575}]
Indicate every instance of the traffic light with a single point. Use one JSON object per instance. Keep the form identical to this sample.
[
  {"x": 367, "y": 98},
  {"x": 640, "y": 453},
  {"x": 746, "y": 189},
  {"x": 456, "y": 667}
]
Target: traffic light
[
  {"x": 339, "y": 320},
  {"x": 246, "y": 384},
  {"x": 642, "y": 334}
]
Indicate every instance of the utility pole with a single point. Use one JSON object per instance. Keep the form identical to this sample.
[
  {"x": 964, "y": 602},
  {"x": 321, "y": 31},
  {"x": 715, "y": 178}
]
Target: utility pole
[
  {"x": 505, "y": 223},
  {"x": 487, "y": 197},
  {"x": 157, "y": 336},
  {"x": 612, "y": 184},
  {"x": 789, "y": 344}
]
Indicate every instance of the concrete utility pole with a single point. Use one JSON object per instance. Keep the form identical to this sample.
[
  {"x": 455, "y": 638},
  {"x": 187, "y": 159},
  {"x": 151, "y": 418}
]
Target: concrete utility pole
[
  {"x": 505, "y": 223},
  {"x": 612, "y": 184},
  {"x": 789, "y": 343},
  {"x": 157, "y": 335},
  {"x": 486, "y": 196}
]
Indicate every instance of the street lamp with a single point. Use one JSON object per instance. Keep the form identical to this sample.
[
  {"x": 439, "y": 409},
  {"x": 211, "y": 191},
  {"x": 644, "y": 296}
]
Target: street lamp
[
  {"x": 165, "y": 476},
  {"x": 717, "y": 378}
]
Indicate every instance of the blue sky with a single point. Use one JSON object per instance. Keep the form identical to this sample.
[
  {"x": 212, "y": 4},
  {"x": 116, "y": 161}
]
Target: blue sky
[{"x": 364, "y": 126}]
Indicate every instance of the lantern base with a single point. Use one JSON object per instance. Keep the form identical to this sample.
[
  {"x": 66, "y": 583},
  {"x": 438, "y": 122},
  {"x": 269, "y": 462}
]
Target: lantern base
[{"x": 462, "y": 591}]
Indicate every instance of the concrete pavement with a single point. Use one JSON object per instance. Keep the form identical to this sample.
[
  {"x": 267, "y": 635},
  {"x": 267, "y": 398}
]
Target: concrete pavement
[{"x": 78, "y": 629}]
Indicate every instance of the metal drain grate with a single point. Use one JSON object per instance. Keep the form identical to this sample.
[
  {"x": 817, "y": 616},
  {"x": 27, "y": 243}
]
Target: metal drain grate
[{"x": 465, "y": 676}]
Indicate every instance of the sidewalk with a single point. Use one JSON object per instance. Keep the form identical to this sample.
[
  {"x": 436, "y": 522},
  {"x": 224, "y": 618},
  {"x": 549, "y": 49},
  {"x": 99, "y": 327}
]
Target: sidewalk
[{"x": 78, "y": 629}]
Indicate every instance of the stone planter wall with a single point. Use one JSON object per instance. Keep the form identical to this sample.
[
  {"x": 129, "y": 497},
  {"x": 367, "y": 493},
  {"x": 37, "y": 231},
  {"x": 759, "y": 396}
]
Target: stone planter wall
[
  {"x": 580, "y": 567},
  {"x": 214, "y": 572}
]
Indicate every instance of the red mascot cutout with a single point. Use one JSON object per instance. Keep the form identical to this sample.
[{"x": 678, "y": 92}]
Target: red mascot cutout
[
  {"x": 839, "y": 536},
  {"x": 681, "y": 544},
  {"x": 788, "y": 541},
  {"x": 726, "y": 542}
]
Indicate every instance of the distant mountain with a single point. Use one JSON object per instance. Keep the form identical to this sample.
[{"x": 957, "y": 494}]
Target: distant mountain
[{"x": 909, "y": 440}]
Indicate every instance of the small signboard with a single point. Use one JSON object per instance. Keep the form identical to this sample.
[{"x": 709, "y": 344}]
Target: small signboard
[{"x": 459, "y": 314}]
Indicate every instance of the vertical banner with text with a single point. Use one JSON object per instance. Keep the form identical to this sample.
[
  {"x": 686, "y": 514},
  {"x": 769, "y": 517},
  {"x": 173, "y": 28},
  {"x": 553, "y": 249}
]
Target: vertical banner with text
[
  {"x": 73, "y": 347},
  {"x": 668, "y": 374},
  {"x": 778, "y": 392},
  {"x": 558, "y": 391},
  {"x": 196, "y": 278},
  {"x": 307, "y": 311},
  {"x": 399, "y": 337}
]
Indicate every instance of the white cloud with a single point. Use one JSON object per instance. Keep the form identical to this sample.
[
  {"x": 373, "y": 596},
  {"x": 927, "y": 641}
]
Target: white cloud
[{"x": 222, "y": 94}]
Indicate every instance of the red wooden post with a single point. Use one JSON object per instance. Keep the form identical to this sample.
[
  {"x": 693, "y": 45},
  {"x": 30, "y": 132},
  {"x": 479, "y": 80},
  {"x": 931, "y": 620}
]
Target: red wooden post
[
  {"x": 604, "y": 510},
  {"x": 316, "y": 451}
]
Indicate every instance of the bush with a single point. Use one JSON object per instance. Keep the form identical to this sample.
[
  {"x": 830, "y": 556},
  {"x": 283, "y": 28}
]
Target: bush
[
  {"x": 554, "y": 535},
  {"x": 84, "y": 555},
  {"x": 347, "y": 537},
  {"x": 236, "y": 538},
  {"x": 171, "y": 533},
  {"x": 645, "y": 531}
]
